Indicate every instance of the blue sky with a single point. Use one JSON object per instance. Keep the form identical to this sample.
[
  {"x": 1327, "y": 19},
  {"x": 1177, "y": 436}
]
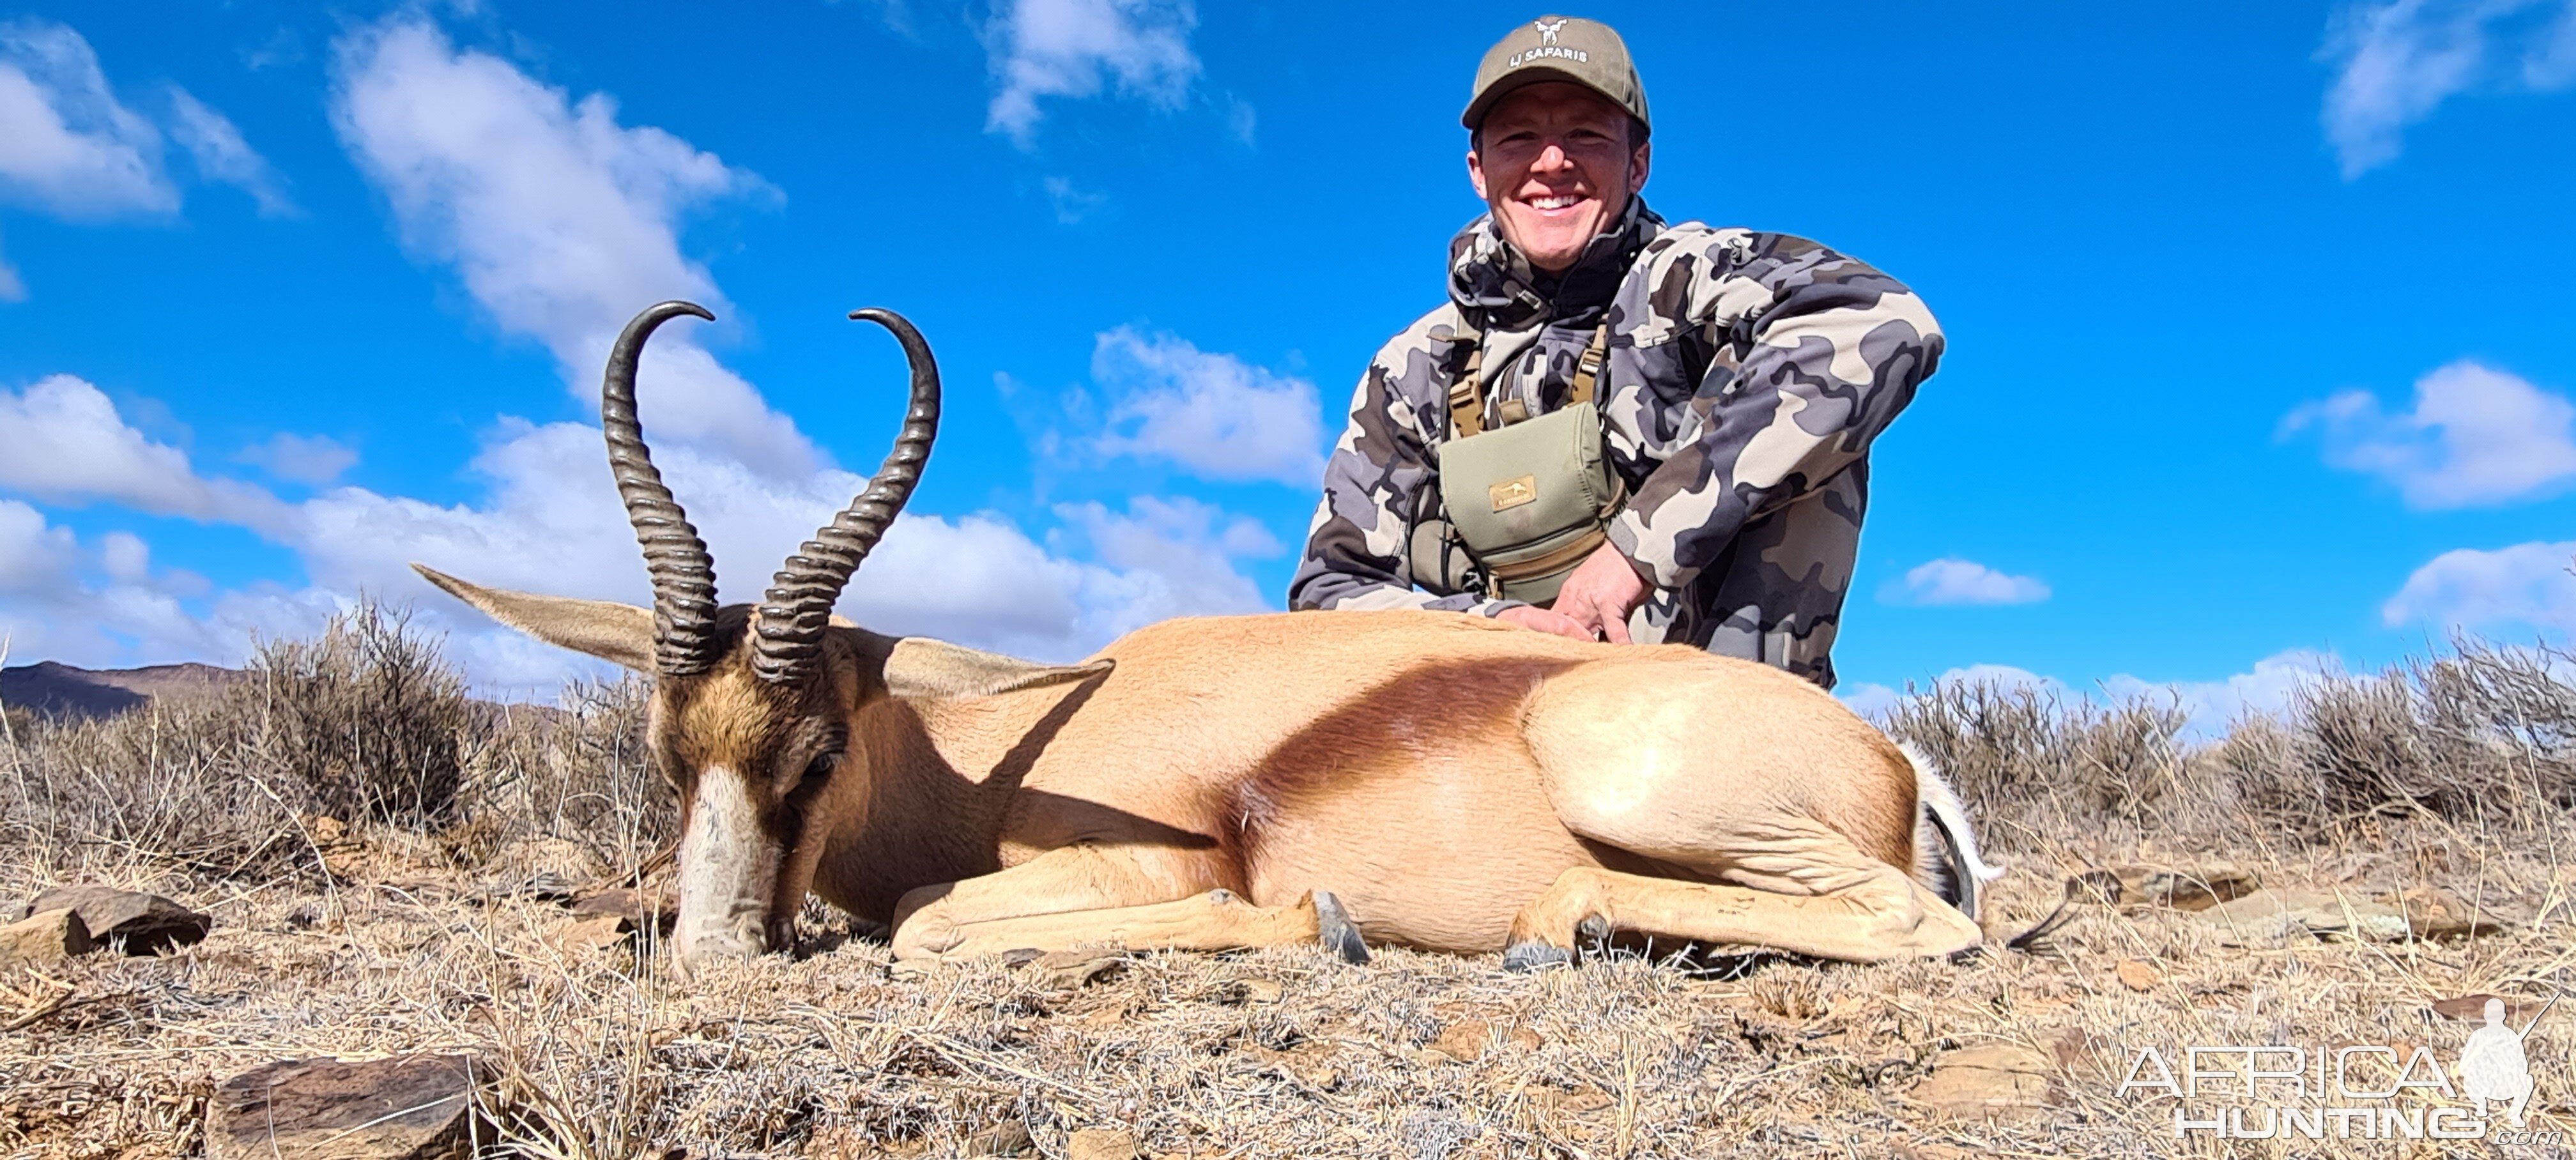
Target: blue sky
[{"x": 2259, "y": 354}]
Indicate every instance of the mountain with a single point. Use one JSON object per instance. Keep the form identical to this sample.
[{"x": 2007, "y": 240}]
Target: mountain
[{"x": 50, "y": 689}]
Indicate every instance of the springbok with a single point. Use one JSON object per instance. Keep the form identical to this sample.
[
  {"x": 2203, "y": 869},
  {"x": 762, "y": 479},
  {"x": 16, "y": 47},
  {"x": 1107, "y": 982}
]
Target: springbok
[{"x": 1428, "y": 779}]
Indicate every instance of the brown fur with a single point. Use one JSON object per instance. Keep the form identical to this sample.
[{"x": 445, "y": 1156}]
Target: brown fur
[{"x": 1454, "y": 781}]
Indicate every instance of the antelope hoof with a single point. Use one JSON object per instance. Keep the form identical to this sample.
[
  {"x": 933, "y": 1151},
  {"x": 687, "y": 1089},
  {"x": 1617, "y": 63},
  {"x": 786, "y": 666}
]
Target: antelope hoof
[
  {"x": 1592, "y": 932},
  {"x": 1333, "y": 928},
  {"x": 1526, "y": 957}
]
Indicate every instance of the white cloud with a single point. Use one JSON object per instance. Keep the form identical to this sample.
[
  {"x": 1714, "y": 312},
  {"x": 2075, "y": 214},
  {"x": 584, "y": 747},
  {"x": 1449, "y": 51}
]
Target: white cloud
[
  {"x": 61, "y": 440},
  {"x": 12, "y": 288},
  {"x": 1072, "y": 48},
  {"x": 1072, "y": 203},
  {"x": 2208, "y": 705},
  {"x": 2396, "y": 62},
  {"x": 2551, "y": 64},
  {"x": 313, "y": 459},
  {"x": 548, "y": 521},
  {"x": 1212, "y": 413},
  {"x": 2477, "y": 436},
  {"x": 1167, "y": 558},
  {"x": 1951, "y": 580},
  {"x": 2268, "y": 687},
  {"x": 222, "y": 155},
  {"x": 2525, "y": 585},
  {"x": 59, "y": 601},
  {"x": 66, "y": 144},
  {"x": 561, "y": 221}
]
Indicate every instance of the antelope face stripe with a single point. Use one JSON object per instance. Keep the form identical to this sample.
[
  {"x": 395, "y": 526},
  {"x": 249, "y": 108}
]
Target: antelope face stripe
[{"x": 728, "y": 872}]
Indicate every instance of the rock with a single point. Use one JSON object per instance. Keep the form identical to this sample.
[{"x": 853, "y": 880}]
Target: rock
[
  {"x": 638, "y": 909},
  {"x": 595, "y": 932},
  {"x": 44, "y": 937},
  {"x": 1008, "y": 1138},
  {"x": 1468, "y": 1040},
  {"x": 1998, "y": 1081},
  {"x": 2268, "y": 917},
  {"x": 2139, "y": 975},
  {"x": 2474, "y": 1008},
  {"x": 1100, "y": 1144},
  {"x": 2195, "y": 888},
  {"x": 418, "y": 1107},
  {"x": 143, "y": 924},
  {"x": 2432, "y": 912},
  {"x": 1068, "y": 969}
]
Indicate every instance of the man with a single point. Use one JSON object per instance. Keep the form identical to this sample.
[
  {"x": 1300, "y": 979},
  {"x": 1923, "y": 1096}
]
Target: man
[{"x": 1745, "y": 375}]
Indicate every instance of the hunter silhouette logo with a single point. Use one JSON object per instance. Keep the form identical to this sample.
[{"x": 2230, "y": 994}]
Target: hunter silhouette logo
[
  {"x": 1547, "y": 30},
  {"x": 2493, "y": 1065},
  {"x": 2367, "y": 1092}
]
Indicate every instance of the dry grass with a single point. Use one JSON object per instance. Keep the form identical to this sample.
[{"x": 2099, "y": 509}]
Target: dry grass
[{"x": 2454, "y": 772}]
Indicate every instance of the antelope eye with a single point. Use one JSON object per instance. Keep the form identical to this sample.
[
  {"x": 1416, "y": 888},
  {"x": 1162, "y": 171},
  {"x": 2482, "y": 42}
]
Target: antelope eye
[{"x": 819, "y": 769}]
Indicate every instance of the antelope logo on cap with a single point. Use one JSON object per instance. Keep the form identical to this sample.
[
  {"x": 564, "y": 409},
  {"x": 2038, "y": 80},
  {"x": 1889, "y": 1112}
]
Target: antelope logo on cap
[{"x": 1547, "y": 46}]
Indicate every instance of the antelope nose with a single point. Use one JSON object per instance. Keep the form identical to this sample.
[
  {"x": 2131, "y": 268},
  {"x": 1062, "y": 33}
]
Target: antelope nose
[{"x": 732, "y": 941}]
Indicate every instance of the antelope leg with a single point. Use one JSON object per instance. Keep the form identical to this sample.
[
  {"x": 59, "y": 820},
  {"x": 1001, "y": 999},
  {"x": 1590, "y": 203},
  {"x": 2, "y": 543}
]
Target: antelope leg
[
  {"x": 1884, "y": 916},
  {"x": 1219, "y": 920},
  {"x": 1142, "y": 899}
]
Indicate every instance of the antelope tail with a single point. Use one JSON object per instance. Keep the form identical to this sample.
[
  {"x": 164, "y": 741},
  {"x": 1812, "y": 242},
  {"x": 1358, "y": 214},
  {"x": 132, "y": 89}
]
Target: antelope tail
[{"x": 1945, "y": 844}]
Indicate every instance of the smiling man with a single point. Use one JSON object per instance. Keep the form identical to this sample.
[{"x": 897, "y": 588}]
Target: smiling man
[{"x": 1734, "y": 380}]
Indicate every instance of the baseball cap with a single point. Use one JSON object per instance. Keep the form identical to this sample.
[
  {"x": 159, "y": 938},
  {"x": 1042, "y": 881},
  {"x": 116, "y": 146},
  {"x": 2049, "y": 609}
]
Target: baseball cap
[{"x": 1557, "y": 48}]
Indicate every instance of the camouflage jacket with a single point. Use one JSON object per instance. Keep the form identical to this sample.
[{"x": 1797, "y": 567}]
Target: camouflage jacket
[{"x": 1745, "y": 370}]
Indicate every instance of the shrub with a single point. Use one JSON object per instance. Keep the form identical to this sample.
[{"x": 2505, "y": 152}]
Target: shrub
[{"x": 368, "y": 717}]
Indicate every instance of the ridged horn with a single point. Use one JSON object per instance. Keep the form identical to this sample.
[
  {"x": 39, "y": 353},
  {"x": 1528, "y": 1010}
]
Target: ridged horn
[
  {"x": 684, "y": 573},
  {"x": 798, "y": 605}
]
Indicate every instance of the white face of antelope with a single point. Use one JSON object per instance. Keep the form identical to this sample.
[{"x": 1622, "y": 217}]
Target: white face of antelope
[
  {"x": 729, "y": 865},
  {"x": 756, "y": 767}
]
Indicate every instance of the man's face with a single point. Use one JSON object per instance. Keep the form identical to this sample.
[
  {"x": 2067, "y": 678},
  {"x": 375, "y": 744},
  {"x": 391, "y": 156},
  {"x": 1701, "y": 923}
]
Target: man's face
[{"x": 1553, "y": 162}]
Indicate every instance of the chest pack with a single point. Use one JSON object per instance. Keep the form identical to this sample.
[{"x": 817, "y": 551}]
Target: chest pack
[{"x": 1529, "y": 499}]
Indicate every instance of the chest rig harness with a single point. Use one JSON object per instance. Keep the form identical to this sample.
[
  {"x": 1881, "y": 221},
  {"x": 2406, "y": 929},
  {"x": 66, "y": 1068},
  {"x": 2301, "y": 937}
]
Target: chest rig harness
[{"x": 1525, "y": 502}]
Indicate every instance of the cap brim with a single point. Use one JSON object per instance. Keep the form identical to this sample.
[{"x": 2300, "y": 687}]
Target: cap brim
[{"x": 1521, "y": 78}]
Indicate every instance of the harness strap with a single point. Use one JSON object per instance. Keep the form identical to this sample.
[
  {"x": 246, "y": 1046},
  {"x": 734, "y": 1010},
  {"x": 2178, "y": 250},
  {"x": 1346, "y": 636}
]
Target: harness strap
[
  {"x": 1588, "y": 368},
  {"x": 1466, "y": 392}
]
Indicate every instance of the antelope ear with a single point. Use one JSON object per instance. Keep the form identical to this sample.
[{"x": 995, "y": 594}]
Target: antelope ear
[
  {"x": 618, "y": 633},
  {"x": 921, "y": 667}
]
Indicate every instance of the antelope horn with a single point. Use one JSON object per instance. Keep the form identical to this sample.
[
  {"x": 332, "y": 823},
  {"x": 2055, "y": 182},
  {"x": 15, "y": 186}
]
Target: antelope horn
[
  {"x": 798, "y": 605},
  {"x": 684, "y": 574}
]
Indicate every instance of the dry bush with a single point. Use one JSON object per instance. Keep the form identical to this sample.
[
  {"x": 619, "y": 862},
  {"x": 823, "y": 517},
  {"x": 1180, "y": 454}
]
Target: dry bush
[
  {"x": 2481, "y": 737},
  {"x": 169, "y": 783},
  {"x": 579, "y": 772},
  {"x": 2033, "y": 763},
  {"x": 366, "y": 722},
  {"x": 368, "y": 717}
]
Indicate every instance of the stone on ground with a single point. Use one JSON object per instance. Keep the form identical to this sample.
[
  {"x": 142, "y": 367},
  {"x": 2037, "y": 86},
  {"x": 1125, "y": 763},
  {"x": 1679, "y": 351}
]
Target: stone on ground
[
  {"x": 2270, "y": 917},
  {"x": 142, "y": 924},
  {"x": 416, "y": 1107},
  {"x": 1996, "y": 1081},
  {"x": 1100, "y": 1144},
  {"x": 44, "y": 937}
]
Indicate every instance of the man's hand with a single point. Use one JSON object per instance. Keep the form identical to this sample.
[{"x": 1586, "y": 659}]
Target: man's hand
[
  {"x": 1600, "y": 594},
  {"x": 1533, "y": 616}
]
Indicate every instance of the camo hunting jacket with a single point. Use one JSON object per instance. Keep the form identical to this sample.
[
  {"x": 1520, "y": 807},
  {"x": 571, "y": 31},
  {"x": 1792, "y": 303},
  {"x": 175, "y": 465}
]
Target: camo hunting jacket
[{"x": 1747, "y": 375}]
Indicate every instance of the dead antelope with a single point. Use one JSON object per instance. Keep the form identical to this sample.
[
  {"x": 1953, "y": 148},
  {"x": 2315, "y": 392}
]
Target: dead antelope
[{"x": 1454, "y": 783}]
